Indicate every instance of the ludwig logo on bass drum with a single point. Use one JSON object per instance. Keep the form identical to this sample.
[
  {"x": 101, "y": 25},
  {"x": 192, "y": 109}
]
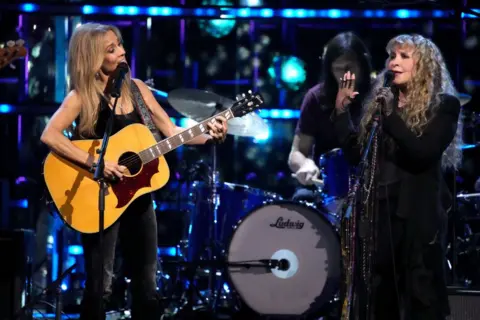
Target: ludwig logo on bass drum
[{"x": 287, "y": 224}]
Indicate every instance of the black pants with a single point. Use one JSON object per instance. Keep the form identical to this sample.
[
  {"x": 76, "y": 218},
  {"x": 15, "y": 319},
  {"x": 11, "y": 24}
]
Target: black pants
[
  {"x": 390, "y": 271},
  {"x": 137, "y": 232}
]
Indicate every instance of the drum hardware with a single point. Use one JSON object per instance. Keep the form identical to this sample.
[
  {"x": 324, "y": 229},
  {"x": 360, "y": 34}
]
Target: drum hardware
[
  {"x": 468, "y": 195},
  {"x": 199, "y": 105}
]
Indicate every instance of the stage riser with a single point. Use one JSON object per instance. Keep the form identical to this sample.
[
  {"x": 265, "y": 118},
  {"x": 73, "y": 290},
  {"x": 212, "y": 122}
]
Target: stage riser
[{"x": 464, "y": 305}]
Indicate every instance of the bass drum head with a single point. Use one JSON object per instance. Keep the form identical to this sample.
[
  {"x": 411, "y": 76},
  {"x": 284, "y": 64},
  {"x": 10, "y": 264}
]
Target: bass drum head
[{"x": 302, "y": 236}]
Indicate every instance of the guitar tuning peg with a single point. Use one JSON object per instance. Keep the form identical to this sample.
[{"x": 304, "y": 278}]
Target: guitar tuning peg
[
  {"x": 243, "y": 94},
  {"x": 10, "y": 43},
  {"x": 238, "y": 97},
  {"x": 20, "y": 42},
  {"x": 250, "y": 91}
]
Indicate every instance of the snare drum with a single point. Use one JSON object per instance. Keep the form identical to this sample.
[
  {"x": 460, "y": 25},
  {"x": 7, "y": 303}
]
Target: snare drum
[
  {"x": 233, "y": 202},
  {"x": 306, "y": 242}
]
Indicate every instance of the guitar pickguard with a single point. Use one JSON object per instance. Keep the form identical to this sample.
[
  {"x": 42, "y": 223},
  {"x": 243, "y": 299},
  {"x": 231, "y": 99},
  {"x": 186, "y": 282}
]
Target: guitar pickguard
[{"x": 126, "y": 189}]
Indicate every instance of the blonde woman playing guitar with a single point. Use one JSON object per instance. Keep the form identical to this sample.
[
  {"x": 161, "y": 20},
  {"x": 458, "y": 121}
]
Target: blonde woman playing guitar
[{"x": 95, "y": 51}]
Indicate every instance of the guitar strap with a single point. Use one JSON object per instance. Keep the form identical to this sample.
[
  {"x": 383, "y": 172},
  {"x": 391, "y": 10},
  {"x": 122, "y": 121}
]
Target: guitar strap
[{"x": 144, "y": 112}]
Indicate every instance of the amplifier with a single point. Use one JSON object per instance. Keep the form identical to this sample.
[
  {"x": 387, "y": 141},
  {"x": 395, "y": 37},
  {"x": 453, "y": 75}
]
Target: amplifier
[
  {"x": 464, "y": 303},
  {"x": 16, "y": 254}
]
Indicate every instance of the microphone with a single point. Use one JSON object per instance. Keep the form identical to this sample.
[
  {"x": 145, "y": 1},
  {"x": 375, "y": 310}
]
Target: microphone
[
  {"x": 387, "y": 83},
  {"x": 282, "y": 264},
  {"x": 388, "y": 78},
  {"x": 117, "y": 79}
]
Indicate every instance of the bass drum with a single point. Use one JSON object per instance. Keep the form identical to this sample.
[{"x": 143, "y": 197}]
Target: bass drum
[{"x": 309, "y": 246}]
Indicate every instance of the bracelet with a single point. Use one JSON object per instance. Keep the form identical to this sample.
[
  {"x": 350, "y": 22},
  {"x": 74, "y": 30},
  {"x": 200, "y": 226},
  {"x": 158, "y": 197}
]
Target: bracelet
[{"x": 93, "y": 167}]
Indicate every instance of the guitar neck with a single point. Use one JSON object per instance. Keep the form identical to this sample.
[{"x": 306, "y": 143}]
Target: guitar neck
[{"x": 181, "y": 138}]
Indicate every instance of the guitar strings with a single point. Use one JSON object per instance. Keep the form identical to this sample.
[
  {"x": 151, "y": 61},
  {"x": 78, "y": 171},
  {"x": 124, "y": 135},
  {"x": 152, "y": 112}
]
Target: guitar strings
[{"x": 130, "y": 160}]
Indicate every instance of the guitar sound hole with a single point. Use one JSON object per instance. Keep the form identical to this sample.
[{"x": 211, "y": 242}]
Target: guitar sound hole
[{"x": 132, "y": 161}]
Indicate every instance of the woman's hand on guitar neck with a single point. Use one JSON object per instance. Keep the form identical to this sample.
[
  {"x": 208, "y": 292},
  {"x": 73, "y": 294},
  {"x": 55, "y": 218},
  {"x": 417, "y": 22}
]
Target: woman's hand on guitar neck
[{"x": 218, "y": 129}]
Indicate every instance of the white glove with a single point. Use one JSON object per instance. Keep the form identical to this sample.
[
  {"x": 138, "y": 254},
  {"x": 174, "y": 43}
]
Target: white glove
[{"x": 307, "y": 172}]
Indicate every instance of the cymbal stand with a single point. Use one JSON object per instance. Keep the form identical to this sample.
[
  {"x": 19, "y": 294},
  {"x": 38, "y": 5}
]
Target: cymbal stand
[{"x": 214, "y": 202}]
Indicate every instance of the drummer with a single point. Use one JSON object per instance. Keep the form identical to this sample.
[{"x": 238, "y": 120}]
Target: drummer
[{"x": 314, "y": 134}]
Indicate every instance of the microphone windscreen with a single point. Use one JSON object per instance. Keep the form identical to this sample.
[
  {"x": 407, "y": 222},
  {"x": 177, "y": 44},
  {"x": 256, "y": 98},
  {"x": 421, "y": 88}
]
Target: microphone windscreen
[{"x": 388, "y": 78}]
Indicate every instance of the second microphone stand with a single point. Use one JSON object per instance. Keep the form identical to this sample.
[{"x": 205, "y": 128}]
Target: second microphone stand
[{"x": 348, "y": 309}]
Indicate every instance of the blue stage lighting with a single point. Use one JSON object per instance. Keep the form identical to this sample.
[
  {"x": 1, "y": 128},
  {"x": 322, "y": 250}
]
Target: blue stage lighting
[
  {"x": 87, "y": 9},
  {"x": 288, "y": 71},
  {"x": 5, "y": 108},
  {"x": 29, "y": 7}
]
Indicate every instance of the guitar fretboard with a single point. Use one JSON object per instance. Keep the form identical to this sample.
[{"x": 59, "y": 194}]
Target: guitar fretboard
[{"x": 179, "y": 139}]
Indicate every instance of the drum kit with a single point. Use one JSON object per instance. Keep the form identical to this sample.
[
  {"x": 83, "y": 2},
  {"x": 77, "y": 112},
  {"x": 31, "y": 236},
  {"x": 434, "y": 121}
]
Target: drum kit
[{"x": 248, "y": 250}]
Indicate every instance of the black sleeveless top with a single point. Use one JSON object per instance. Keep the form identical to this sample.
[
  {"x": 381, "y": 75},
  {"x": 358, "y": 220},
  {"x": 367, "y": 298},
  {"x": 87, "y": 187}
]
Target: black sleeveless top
[{"x": 120, "y": 121}]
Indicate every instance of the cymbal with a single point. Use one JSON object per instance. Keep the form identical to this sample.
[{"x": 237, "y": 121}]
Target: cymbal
[
  {"x": 464, "y": 98},
  {"x": 199, "y": 105}
]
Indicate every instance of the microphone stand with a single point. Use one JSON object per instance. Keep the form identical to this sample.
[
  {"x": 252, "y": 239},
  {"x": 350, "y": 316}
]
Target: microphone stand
[
  {"x": 100, "y": 178},
  {"x": 362, "y": 165},
  {"x": 360, "y": 170}
]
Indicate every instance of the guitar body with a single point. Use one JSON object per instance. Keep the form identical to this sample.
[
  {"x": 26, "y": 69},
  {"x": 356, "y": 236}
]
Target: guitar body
[{"x": 76, "y": 194}]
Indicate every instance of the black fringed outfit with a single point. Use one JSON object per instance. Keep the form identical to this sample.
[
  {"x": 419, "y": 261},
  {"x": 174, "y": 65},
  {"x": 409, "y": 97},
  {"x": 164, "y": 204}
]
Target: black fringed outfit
[{"x": 393, "y": 242}]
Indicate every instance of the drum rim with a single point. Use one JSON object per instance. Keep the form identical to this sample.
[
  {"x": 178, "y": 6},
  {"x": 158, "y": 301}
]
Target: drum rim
[
  {"x": 281, "y": 201},
  {"x": 311, "y": 310}
]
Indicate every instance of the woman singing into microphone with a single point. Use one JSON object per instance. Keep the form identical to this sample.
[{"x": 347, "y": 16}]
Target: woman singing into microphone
[{"x": 400, "y": 198}]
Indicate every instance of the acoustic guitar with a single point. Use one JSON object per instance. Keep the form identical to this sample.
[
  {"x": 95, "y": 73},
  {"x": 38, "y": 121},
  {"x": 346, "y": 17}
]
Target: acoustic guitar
[
  {"x": 14, "y": 50},
  {"x": 75, "y": 193}
]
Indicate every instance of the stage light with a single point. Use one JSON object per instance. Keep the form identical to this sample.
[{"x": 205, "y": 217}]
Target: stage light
[
  {"x": 288, "y": 71},
  {"x": 29, "y": 7},
  {"x": 23, "y": 203},
  {"x": 218, "y": 28},
  {"x": 5, "y": 108},
  {"x": 266, "y": 13},
  {"x": 167, "y": 251},
  {"x": 251, "y": 3},
  {"x": 88, "y": 9},
  {"x": 406, "y": 14},
  {"x": 75, "y": 250}
]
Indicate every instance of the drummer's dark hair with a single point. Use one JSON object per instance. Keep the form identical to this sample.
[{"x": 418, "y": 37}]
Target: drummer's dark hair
[{"x": 340, "y": 44}]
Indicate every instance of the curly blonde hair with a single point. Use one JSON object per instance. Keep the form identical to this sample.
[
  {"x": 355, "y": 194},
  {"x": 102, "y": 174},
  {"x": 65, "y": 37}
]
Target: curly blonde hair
[{"x": 422, "y": 95}]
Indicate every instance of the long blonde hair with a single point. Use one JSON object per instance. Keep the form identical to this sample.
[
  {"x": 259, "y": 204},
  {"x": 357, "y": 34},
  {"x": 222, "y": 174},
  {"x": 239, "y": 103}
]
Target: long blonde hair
[
  {"x": 86, "y": 53},
  {"x": 422, "y": 95}
]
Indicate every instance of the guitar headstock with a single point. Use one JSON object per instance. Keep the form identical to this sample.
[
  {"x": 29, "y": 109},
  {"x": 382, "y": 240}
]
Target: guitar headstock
[
  {"x": 246, "y": 103},
  {"x": 12, "y": 51}
]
